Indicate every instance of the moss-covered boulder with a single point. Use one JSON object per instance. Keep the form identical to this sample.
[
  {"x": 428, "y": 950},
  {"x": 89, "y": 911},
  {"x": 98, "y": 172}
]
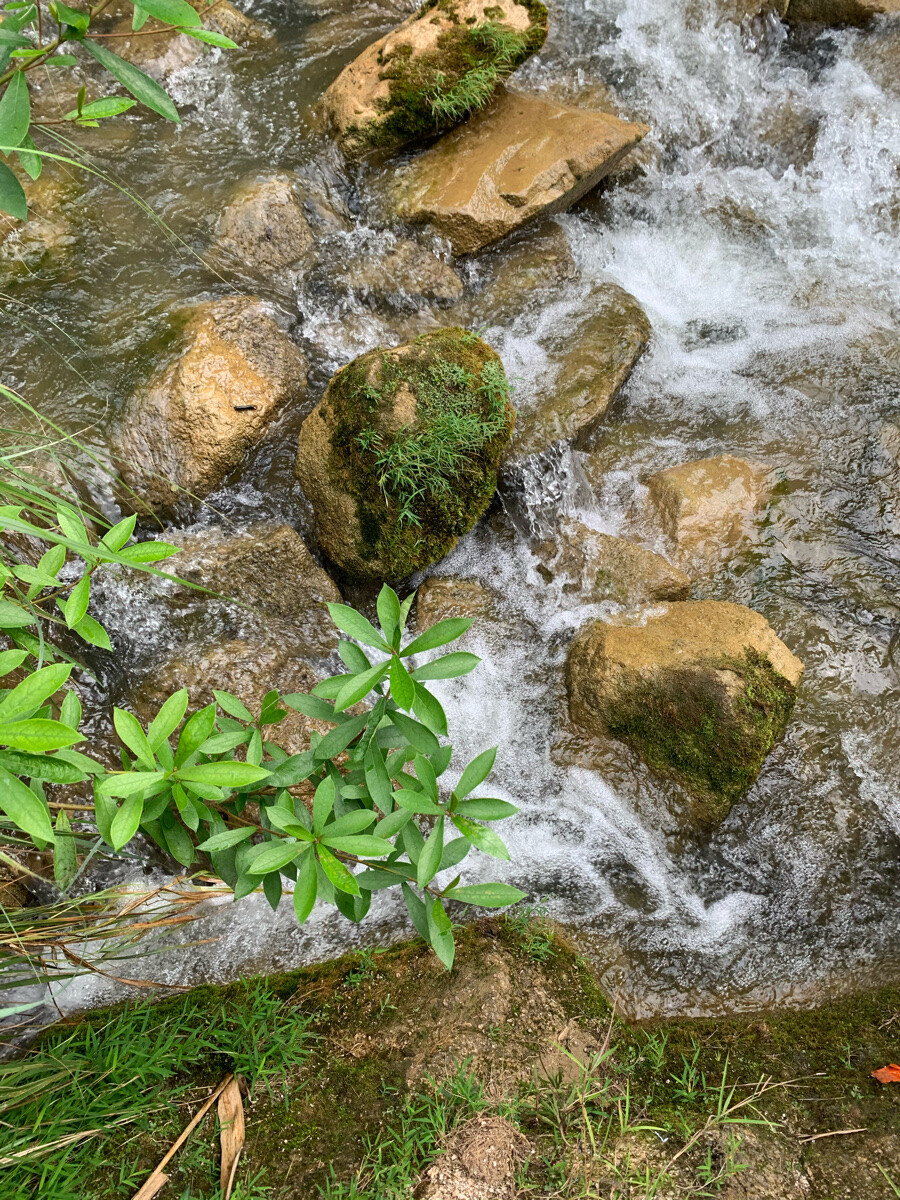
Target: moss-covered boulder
[
  {"x": 443, "y": 63},
  {"x": 399, "y": 459},
  {"x": 701, "y": 690}
]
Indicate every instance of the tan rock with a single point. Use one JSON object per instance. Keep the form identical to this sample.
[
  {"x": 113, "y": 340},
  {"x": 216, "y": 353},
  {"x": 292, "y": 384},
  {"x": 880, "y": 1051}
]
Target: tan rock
[
  {"x": 266, "y": 566},
  {"x": 840, "y": 12},
  {"x": 530, "y": 269},
  {"x": 441, "y": 597},
  {"x": 403, "y": 275},
  {"x": 410, "y": 84},
  {"x": 196, "y": 418},
  {"x": 593, "y": 360},
  {"x": 519, "y": 157},
  {"x": 600, "y": 567},
  {"x": 701, "y": 690},
  {"x": 707, "y": 508},
  {"x": 264, "y": 228},
  {"x": 159, "y": 52}
]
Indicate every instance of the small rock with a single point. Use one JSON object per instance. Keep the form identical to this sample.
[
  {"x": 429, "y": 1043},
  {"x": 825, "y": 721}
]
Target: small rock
[
  {"x": 264, "y": 228},
  {"x": 530, "y": 269},
  {"x": 840, "y": 12},
  {"x": 441, "y": 597},
  {"x": 196, "y": 419},
  {"x": 601, "y": 347},
  {"x": 519, "y": 157},
  {"x": 403, "y": 275},
  {"x": 600, "y": 567},
  {"x": 700, "y": 689},
  {"x": 706, "y": 508},
  {"x": 399, "y": 459},
  {"x": 431, "y": 71}
]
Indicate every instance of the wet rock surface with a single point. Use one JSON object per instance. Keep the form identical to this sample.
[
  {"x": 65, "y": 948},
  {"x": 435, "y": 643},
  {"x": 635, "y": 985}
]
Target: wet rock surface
[
  {"x": 264, "y": 228},
  {"x": 195, "y": 421},
  {"x": 840, "y": 12},
  {"x": 399, "y": 273},
  {"x": 520, "y": 157},
  {"x": 441, "y": 597},
  {"x": 702, "y": 690},
  {"x": 160, "y": 52}
]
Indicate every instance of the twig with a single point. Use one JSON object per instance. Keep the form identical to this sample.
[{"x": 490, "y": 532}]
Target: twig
[
  {"x": 832, "y": 1133},
  {"x": 152, "y": 1185}
]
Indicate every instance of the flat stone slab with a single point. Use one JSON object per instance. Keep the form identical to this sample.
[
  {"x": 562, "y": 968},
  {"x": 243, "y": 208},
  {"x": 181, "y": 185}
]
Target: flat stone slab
[{"x": 519, "y": 157}]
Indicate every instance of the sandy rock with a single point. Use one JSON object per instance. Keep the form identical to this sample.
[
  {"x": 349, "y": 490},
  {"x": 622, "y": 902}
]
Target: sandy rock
[
  {"x": 840, "y": 12},
  {"x": 264, "y": 228},
  {"x": 707, "y": 508},
  {"x": 701, "y": 690},
  {"x": 404, "y": 275},
  {"x": 519, "y": 157},
  {"x": 593, "y": 361},
  {"x": 247, "y": 669},
  {"x": 478, "y": 1163},
  {"x": 441, "y": 597},
  {"x": 159, "y": 52},
  {"x": 267, "y": 566},
  {"x": 196, "y": 418},
  {"x": 413, "y": 83},
  {"x": 399, "y": 459},
  {"x": 599, "y": 568},
  {"x": 48, "y": 231}
]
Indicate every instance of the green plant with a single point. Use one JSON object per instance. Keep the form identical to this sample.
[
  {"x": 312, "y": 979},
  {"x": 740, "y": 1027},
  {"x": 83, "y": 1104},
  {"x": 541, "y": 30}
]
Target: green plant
[
  {"x": 24, "y": 46},
  {"x": 529, "y": 924}
]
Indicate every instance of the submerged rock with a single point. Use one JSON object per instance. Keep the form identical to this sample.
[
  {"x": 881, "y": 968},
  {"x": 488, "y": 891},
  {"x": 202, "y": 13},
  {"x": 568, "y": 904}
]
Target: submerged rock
[
  {"x": 519, "y": 157},
  {"x": 49, "y": 231},
  {"x": 706, "y": 508},
  {"x": 267, "y": 566},
  {"x": 159, "y": 51},
  {"x": 701, "y": 690},
  {"x": 600, "y": 567},
  {"x": 196, "y": 419},
  {"x": 600, "y": 349},
  {"x": 402, "y": 275},
  {"x": 840, "y": 12},
  {"x": 430, "y": 72},
  {"x": 399, "y": 459},
  {"x": 441, "y": 597},
  {"x": 264, "y": 228},
  {"x": 531, "y": 268}
]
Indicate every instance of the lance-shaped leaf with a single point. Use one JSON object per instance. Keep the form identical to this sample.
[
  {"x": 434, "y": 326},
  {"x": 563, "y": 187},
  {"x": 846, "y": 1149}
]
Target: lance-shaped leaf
[
  {"x": 449, "y": 666},
  {"x": 356, "y": 625},
  {"x": 141, "y": 86},
  {"x": 438, "y": 635},
  {"x": 15, "y": 113},
  {"x": 337, "y": 873},
  {"x": 305, "y": 888},
  {"x": 38, "y": 735},
  {"x": 24, "y": 808},
  {"x": 276, "y": 856},
  {"x": 486, "y": 895},
  {"x": 484, "y": 839}
]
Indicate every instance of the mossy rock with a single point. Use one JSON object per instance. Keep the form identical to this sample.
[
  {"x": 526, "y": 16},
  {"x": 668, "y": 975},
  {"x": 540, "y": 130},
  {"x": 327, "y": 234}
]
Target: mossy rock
[
  {"x": 399, "y": 459},
  {"x": 430, "y": 73},
  {"x": 701, "y": 690}
]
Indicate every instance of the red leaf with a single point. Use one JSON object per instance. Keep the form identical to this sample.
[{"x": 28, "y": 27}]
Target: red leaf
[{"x": 888, "y": 1074}]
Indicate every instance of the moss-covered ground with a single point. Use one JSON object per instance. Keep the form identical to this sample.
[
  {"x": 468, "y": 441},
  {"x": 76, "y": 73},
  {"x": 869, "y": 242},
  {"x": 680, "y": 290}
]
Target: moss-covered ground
[{"x": 361, "y": 1069}]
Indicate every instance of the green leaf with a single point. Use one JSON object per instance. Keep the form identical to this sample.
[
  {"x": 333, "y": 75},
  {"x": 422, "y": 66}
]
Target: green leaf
[
  {"x": 430, "y": 857},
  {"x": 177, "y": 839},
  {"x": 93, "y": 633},
  {"x": 438, "y": 635},
  {"x": 352, "y": 657},
  {"x": 168, "y": 718},
  {"x": 276, "y": 856},
  {"x": 340, "y": 738},
  {"x": 13, "y": 616},
  {"x": 128, "y": 783},
  {"x": 360, "y": 685},
  {"x": 34, "y": 690},
  {"x": 232, "y": 706},
  {"x": 139, "y": 18},
  {"x": 143, "y": 88},
  {"x": 417, "y": 735},
  {"x": 426, "y": 776},
  {"x": 171, "y": 12},
  {"x": 448, "y": 666},
  {"x": 392, "y": 824},
  {"x": 476, "y": 772},
  {"x": 323, "y": 803},
  {"x": 403, "y": 690},
  {"x": 32, "y": 163},
  {"x": 212, "y": 38},
  {"x": 38, "y": 735},
  {"x": 65, "y": 858},
  {"x": 388, "y": 606},
  {"x": 440, "y": 934},
  {"x": 337, "y": 873},
  {"x": 60, "y": 60},
  {"x": 417, "y": 912},
  {"x": 10, "y": 659},
  {"x": 484, "y": 839},
  {"x": 485, "y": 809},
  {"x": 429, "y": 710},
  {"x": 226, "y": 839},
  {"x": 305, "y": 888},
  {"x": 416, "y": 802},
  {"x": 196, "y": 730},
  {"x": 148, "y": 552},
  {"x": 223, "y": 774},
  {"x": 377, "y": 779},
  {"x": 64, "y": 15},
  {"x": 70, "y": 710},
  {"x": 126, "y": 821},
  {"x": 118, "y": 535},
  {"x": 329, "y": 688},
  {"x": 311, "y": 706},
  {"x": 487, "y": 895},
  {"x": 98, "y": 110},
  {"x": 15, "y": 112},
  {"x": 454, "y": 853},
  {"x": 130, "y": 731},
  {"x": 356, "y": 625},
  {"x": 24, "y": 808},
  {"x": 362, "y": 844},
  {"x": 41, "y": 766},
  {"x": 353, "y": 822}
]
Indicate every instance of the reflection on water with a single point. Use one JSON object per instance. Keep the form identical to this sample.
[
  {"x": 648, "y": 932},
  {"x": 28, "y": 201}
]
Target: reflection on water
[{"x": 762, "y": 239}]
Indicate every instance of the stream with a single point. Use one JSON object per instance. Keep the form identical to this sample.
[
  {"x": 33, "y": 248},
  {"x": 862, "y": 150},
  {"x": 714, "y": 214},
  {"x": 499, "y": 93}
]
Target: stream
[{"x": 762, "y": 239}]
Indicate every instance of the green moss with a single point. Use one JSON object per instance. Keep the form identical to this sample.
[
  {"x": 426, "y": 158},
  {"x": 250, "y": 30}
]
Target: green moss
[
  {"x": 429, "y": 93},
  {"x": 417, "y": 439},
  {"x": 688, "y": 725}
]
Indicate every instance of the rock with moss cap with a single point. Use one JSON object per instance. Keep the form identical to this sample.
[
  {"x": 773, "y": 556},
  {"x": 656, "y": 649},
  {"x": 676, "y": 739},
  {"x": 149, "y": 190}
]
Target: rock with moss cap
[
  {"x": 700, "y": 689},
  {"x": 431, "y": 72},
  {"x": 399, "y": 459}
]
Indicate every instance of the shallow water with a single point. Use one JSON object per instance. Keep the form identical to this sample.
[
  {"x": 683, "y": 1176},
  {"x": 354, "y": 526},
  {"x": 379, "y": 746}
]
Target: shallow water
[{"x": 762, "y": 239}]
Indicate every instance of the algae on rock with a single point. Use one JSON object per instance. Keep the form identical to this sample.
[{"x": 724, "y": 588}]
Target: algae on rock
[{"x": 399, "y": 459}]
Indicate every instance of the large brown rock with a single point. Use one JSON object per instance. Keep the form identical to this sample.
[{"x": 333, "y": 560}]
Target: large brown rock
[
  {"x": 701, "y": 690},
  {"x": 264, "y": 228},
  {"x": 519, "y": 157},
  {"x": 599, "y": 567},
  {"x": 399, "y": 459},
  {"x": 431, "y": 71},
  {"x": 840, "y": 12},
  {"x": 707, "y": 508},
  {"x": 196, "y": 418},
  {"x": 593, "y": 360}
]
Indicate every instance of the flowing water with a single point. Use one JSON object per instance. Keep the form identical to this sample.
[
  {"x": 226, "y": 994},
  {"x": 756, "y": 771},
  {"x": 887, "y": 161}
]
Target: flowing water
[{"x": 763, "y": 241}]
